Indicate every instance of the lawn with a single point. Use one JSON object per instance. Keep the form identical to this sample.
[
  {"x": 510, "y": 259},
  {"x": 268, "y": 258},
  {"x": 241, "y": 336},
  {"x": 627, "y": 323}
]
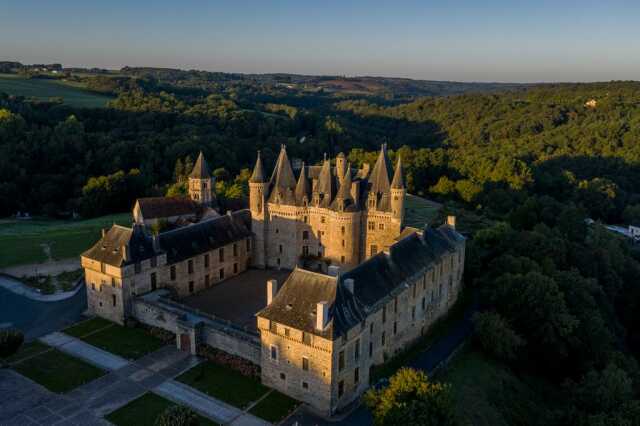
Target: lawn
[
  {"x": 145, "y": 410},
  {"x": 217, "y": 381},
  {"x": 275, "y": 407},
  {"x": 27, "y": 350},
  {"x": 488, "y": 393},
  {"x": 127, "y": 342},
  {"x": 23, "y": 241},
  {"x": 44, "y": 89},
  {"x": 420, "y": 211},
  {"x": 55, "y": 370}
]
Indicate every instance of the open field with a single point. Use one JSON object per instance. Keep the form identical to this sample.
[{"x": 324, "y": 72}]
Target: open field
[
  {"x": 420, "y": 211},
  {"x": 27, "y": 241},
  {"x": 53, "y": 369},
  {"x": 44, "y": 89},
  {"x": 145, "y": 410}
]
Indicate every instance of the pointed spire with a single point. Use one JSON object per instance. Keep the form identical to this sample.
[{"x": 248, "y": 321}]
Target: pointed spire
[
  {"x": 258, "y": 171},
  {"x": 200, "y": 170},
  {"x": 325, "y": 184},
  {"x": 379, "y": 178},
  {"x": 345, "y": 189},
  {"x": 283, "y": 174},
  {"x": 302, "y": 187},
  {"x": 398, "y": 179}
]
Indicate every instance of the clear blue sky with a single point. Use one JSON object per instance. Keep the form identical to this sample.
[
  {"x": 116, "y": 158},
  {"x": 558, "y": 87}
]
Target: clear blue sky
[{"x": 499, "y": 40}]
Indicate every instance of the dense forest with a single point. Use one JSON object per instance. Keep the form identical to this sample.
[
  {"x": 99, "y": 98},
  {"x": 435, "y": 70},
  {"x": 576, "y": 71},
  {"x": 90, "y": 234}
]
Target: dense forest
[{"x": 559, "y": 299}]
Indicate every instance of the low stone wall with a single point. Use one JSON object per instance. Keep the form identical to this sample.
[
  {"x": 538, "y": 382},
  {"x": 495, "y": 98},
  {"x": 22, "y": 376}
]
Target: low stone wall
[{"x": 217, "y": 333}]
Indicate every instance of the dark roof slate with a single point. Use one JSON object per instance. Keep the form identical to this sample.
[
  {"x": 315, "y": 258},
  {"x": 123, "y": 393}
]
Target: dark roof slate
[
  {"x": 161, "y": 207},
  {"x": 201, "y": 169},
  {"x": 186, "y": 242},
  {"x": 109, "y": 249},
  {"x": 258, "y": 171}
]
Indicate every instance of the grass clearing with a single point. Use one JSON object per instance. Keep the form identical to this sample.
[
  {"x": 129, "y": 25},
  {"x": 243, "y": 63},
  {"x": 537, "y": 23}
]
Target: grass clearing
[
  {"x": 23, "y": 241},
  {"x": 275, "y": 407},
  {"x": 45, "y": 89},
  {"x": 55, "y": 370},
  {"x": 127, "y": 342},
  {"x": 420, "y": 211},
  {"x": 487, "y": 393},
  {"x": 144, "y": 411},
  {"x": 217, "y": 381},
  {"x": 83, "y": 328},
  {"x": 28, "y": 350}
]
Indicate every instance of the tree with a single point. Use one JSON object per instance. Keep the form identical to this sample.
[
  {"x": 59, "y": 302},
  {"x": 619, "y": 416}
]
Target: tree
[
  {"x": 177, "y": 415},
  {"x": 496, "y": 336},
  {"x": 10, "y": 342},
  {"x": 411, "y": 399}
]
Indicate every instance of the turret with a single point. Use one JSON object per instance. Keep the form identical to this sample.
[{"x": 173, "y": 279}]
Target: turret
[
  {"x": 283, "y": 180},
  {"x": 341, "y": 166},
  {"x": 398, "y": 192},
  {"x": 258, "y": 189},
  {"x": 201, "y": 183}
]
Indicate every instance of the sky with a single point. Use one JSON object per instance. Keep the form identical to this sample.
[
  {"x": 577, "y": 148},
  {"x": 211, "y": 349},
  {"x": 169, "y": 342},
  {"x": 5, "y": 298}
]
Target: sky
[{"x": 464, "y": 40}]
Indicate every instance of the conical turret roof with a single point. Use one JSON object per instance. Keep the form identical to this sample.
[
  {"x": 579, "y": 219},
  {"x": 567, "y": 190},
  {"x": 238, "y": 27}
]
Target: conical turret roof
[
  {"x": 398, "y": 179},
  {"x": 326, "y": 183},
  {"x": 344, "y": 193},
  {"x": 258, "y": 171},
  {"x": 379, "y": 178},
  {"x": 283, "y": 177},
  {"x": 200, "y": 170},
  {"x": 302, "y": 187}
]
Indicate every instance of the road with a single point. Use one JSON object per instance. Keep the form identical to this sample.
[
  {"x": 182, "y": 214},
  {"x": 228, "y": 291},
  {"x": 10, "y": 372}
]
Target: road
[{"x": 427, "y": 361}]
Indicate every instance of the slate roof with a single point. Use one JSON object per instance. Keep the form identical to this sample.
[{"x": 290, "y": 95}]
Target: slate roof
[
  {"x": 398, "y": 180},
  {"x": 374, "y": 280},
  {"x": 189, "y": 241},
  {"x": 295, "y": 304},
  {"x": 201, "y": 169},
  {"x": 161, "y": 207},
  {"x": 109, "y": 248},
  {"x": 258, "y": 171}
]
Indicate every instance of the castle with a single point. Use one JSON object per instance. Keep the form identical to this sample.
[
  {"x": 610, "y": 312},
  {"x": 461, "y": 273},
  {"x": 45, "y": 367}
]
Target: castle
[{"x": 357, "y": 285}]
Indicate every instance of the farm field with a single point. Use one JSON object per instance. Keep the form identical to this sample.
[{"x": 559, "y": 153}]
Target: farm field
[
  {"x": 33, "y": 241},
  {"x": 44, "y": 89}
]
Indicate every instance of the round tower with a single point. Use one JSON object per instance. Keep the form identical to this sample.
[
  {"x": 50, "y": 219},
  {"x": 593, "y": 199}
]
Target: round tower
[
  {"x": 258, "y": 188},
  {"x": 398, "y": 192}
]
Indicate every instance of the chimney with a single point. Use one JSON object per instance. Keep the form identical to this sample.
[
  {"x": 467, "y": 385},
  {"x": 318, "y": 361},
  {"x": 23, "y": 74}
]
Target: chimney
[
  {"x": 322, "y": 315},
  {"x": 104, "y": 232},
  {"x": 272, "y": 289},
  {"x": 334, "y": 270},
  {"x": 156, "y": 243},
  {"x": 451, "y": 221},
  {"x": 349, "y": 283},
  {"x": 125, "y": 252}
]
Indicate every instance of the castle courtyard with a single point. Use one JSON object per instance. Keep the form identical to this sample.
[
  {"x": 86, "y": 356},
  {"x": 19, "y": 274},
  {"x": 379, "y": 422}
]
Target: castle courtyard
[{"x": 239, "y": 298}]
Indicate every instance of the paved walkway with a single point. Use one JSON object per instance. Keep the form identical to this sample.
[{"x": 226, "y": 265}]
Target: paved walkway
[
  {"x": 85, "y": 351},
  {"x": 51, "y": 267}
]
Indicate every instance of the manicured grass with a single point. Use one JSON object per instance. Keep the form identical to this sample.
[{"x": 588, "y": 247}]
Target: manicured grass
[
  {"x": 83, "y": 328},
  {"x": 27, "y": 350},
  {"x": 224, "y": 383},
  {"x": 145, "y": 410},
  {"x": 58, "y": 371},
  {"x": 420, "y": 211},
  {"x": 487, "y": 393},
  {"x": 67, "y": 279},
  {"x": 275, "y": 407},
  {"x": 129, "y": 343},
  {"x": 21, "y": 240},
  {"x": 44, "y": 89}
]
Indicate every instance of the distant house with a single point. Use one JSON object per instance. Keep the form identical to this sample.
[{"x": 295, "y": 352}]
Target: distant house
[{"x": 591, "y": 103}]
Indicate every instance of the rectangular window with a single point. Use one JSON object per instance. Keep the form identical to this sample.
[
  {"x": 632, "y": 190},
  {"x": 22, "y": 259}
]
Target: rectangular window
[
  {"x": 154, "y": 262},
  {"x": 153, "y": 281},
  {"x": 221, "y": 254},
  {"x": 395, "y": 305},
  {"x": 207, "y": 281},
  {"x": 371, "y": 226},
  {"x": 395, "y": 327},
  {"x": 374, "y": 249},
  {"x": 371, "y": 328},
  {"x": 381, "y": 226},
  {"x": 342, "y": 230},
  {"x": 342, "y": 259},
  {"x": 341, "y": 388},
  {"x": 341, "y": 361},
  {"x": 274, "y": 352},
  {"x": 384, "y": 314},
  {"x": 306, "y": 338},
  {"x": 305, "y": 385},
  {"x": 222, "y": 273},
  {"x": 190, "y": 266},
  {"x": 173, "y": 273},
  {"x": 356, "y": 350},
  {"x": 370, "y": 349},
  {"x": 138, "y": 267},
  {"x": 113, "y": 299},
  {"x": 248, "y": 245},
  {"x": 413, "y": 313},
  {"x": 322, "y": 219},
  {"x": 280, "y": 248},
  {"x": 235, "y": 249},
  {"x": 286, "y": 331},
  {"x": 191, "y": 287},
  {"x": 113, "y": 282},
  {"x": 383, "y": 338},
  {"x": 206, "y": 260},
  {"x": 343, "y": 243},
  {"x": 305, "y": 250},
  {"x": 356, "y": 375},
  {"x": 414, "y": 290},
  {"x": 93, "y": 286},
  {"x": 305, "y": 235},
  {"x": 305, "y": 363},
  {"x": 424, "y": 302},
  {"x": 235, "y": 268},
  {"x": 283, "y": 376}
]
